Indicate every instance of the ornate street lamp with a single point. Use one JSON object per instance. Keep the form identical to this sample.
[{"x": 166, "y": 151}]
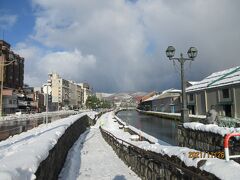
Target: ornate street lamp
[{"x": 192, "y": 53}]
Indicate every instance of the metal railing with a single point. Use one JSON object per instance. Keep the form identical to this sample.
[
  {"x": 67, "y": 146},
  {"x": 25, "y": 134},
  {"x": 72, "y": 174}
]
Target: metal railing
[
  {"x": 226, "y": 146},
  {"x": 12, "y": 127}
]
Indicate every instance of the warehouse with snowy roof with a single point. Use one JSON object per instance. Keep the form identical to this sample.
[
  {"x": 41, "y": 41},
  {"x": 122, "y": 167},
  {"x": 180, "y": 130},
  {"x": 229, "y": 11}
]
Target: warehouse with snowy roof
[{"x": 221, "y": 89}]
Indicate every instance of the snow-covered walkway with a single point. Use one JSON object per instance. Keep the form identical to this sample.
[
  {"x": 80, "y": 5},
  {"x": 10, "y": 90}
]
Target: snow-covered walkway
[
  {"x": 21, "y": 154},
  {"x": 92, "y": 158}
]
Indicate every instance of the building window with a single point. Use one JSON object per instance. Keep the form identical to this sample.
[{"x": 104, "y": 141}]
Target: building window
[
  {"x": 225, "y": 93},
  {"x": 190, "y": 97}
]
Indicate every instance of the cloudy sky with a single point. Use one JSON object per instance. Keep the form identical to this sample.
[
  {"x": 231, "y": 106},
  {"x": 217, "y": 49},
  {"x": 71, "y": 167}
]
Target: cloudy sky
[{"x": 119, "y": 45}]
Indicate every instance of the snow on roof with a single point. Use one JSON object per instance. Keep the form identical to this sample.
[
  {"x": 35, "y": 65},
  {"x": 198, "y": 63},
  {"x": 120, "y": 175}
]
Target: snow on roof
[
  {"x": 153, "y": 97},
  {"x": 193, "y": 82},
  {"x": 144, "y": 98},
  {"x": 21, "y": 154},
  {"x": 172, "y": 90},
  {"x": 166, "y": 93},
  {"x": 217, "y": 79}
]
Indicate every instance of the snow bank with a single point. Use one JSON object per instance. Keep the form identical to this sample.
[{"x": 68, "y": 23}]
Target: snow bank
[
  {"x": 21, "y": 154},
  {"x": 210, "y": 128}
]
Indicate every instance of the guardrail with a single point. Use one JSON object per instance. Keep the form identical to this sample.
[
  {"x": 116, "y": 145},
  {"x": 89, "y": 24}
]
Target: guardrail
[
  {"x": 226, "y": 146},
  {"x": 12, "y": 127},
  {"x": 161, "y": 160}
]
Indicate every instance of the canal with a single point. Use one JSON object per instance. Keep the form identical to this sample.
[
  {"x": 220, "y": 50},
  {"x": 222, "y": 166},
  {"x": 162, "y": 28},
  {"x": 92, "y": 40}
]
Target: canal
[{"x": 163, "y": 129}]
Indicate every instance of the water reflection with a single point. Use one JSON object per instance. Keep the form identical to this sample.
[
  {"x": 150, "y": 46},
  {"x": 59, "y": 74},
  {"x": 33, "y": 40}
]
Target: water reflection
[{"x": 163, "y": 129}]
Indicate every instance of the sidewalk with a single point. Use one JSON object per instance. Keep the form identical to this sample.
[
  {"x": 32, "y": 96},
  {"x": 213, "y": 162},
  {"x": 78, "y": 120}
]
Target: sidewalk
[{"x": 92, "y": 158}]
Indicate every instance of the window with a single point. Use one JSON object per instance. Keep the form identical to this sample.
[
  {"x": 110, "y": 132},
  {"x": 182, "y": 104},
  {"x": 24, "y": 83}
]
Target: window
[
  {"x": 225, "y": 93},
  {"x": 190, "y": 97}
]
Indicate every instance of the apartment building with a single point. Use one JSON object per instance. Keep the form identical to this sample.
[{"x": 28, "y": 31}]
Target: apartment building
[
  {"x": 11, "y": 74},
  {"x": 66, "y": 93},
  {"x": 13, "y": 69},
  {"x": 86, "y": 92}
]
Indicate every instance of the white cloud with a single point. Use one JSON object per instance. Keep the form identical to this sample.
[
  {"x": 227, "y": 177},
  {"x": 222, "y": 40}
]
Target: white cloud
[
  {"x": 71, "y": 65},
  {"x": 124, "y": 43},
  {"x": 7, "y": 20}
]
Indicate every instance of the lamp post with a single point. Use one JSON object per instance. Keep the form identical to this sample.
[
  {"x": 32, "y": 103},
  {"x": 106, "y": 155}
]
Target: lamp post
[
  {"x": 192, "y": 53},
  {"x": 2, "y": 65}
]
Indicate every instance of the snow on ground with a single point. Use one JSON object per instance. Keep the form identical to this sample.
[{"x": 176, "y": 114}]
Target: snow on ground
[
  {"x": 21, "y": 154},
  {"x": 92, "y": 158},
  {"x": 210, "y": 128},
  {"x": 219, "y": 167}
]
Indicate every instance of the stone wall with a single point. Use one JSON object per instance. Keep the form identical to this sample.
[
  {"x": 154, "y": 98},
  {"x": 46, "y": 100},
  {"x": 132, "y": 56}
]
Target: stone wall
[
  {"x": 52, "y": 165},
  {"x": 205, "y": 141},
  {"x": 152, "y": 165},
  {"x": 172, "y": 116}
]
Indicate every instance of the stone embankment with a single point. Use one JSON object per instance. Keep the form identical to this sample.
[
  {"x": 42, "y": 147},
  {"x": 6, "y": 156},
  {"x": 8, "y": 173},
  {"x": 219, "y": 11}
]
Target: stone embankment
[
  {"x": 173, "y": 116},
  {"x": 52, "y": 165},
  {"x": 206, "y": 138},
  {"x": 152, "y": 165}
]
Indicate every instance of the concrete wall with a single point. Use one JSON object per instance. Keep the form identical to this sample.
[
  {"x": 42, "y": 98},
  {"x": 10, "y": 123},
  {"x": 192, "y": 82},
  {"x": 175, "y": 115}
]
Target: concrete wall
[{"x": 52, "y": 165}]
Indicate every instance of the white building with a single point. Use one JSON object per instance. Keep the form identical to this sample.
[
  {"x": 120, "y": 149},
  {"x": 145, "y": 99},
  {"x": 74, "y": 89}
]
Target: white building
[
  {"x": 67, "y": 94},
  {"x": 86, "y": 92}
]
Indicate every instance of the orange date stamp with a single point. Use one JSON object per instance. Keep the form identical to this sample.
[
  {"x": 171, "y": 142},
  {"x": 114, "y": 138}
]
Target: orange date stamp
[{"x": 198, "y": 154}]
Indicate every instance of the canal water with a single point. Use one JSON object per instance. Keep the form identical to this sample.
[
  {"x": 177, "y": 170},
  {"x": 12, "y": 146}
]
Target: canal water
[{"x": 163, "y": 129}]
